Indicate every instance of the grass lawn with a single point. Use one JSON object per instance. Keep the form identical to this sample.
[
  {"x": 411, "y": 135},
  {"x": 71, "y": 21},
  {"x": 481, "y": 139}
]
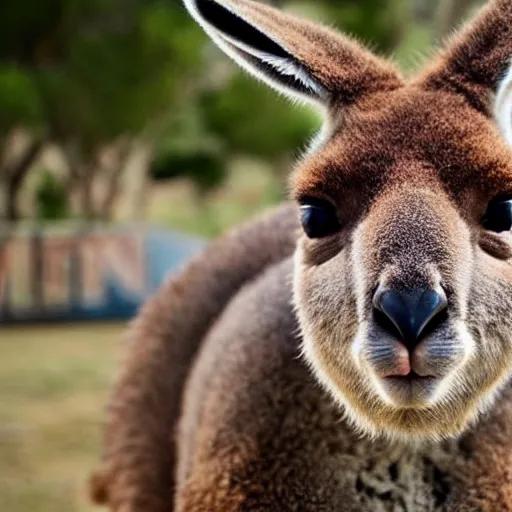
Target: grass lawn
[{"x": 53, "y": 387}]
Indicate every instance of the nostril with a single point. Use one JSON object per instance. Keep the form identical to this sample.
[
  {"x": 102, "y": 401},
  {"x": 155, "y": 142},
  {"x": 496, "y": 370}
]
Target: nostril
[
  {"x": 437, "y": 320},
  {"x": 384, "y": 321},
  {"x": 433, "y": 310},
  {"x": 410, "y": 316}
]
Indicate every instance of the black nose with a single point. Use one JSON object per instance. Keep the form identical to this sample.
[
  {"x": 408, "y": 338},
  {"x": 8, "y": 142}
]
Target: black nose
[{"x": 412, "y": 314}]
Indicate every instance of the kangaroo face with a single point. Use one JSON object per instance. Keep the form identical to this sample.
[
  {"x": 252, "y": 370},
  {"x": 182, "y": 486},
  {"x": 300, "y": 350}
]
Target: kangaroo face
[
  {"x": 405, "y": 305},
  {"x": 403, "y": 275}
]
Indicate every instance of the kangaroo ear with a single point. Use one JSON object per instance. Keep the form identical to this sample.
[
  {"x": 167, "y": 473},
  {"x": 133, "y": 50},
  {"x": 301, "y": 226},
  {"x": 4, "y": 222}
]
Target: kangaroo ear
[
  {"x": 294, "y": 56},
  {"x": 477, "y": 64}
]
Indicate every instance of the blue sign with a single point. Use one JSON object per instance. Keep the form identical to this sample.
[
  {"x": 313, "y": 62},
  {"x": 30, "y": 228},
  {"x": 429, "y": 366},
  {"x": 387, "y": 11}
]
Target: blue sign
[{"x": 88, "y": 274}]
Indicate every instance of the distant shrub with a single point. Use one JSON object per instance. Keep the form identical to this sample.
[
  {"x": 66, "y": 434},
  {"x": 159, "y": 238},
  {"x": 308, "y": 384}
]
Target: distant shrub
[
  {"x": 205, "y": 169},
  {"x": 51, "y": 197}
]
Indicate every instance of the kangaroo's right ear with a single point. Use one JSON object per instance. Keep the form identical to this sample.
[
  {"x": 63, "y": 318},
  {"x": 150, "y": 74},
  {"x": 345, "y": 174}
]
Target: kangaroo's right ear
[{"x": 294, "y": 56}]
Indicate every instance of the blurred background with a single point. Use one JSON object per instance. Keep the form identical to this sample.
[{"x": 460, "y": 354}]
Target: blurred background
[{"x": 126, "y": 140}]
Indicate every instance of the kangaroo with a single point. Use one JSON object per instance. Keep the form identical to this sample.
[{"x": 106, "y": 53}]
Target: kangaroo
[{"x": 351, "y": 351}]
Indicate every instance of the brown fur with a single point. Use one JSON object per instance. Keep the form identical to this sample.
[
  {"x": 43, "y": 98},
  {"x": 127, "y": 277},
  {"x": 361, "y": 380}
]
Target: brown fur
[
  {"x": 137, "y": 470},
  {"x": 410, "y": 169},
  {"x": 278, "y": 443}
]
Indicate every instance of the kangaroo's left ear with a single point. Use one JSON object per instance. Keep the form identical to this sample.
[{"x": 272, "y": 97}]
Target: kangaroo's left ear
[
  {"x": 478, "y": 65},
  {"x": 294, "y": 56}
]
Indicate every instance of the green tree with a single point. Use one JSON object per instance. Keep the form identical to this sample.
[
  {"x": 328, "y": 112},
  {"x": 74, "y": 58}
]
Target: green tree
[
  {"x": 89, "y": 76},
  {"x": 253, "y": 119}
]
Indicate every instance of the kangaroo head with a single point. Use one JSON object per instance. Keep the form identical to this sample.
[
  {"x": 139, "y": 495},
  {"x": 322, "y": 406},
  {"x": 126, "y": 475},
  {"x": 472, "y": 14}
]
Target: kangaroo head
[{"x": 403, "y": 275}]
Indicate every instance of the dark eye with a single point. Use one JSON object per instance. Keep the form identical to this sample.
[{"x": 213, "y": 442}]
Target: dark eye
[
  {"x": 318, "y": 218},
  {"x": 498, "y": 217}
]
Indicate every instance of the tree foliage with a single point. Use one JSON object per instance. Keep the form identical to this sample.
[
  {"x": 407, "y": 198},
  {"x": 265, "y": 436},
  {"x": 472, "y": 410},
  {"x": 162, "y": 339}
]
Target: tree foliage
[
  {"x": 51, "y": 198},
  {"x": 240, "y": 113},
  {"x": 83, "y": 74},
  {"x": 378, "y": 23}
]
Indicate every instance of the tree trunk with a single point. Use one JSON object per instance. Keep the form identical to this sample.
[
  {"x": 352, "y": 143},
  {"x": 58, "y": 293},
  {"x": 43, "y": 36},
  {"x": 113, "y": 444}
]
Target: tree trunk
[
  {"x": 133, "y": 201},
  {"x": 114, "y": 185},
  {"x": 82, "y": 172},
  {"x": 3, "y": 196},
  {"x": 87, "y": 194},
  {"x": 139, "y": 211},
  {"x": 16, "y": 176}
]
